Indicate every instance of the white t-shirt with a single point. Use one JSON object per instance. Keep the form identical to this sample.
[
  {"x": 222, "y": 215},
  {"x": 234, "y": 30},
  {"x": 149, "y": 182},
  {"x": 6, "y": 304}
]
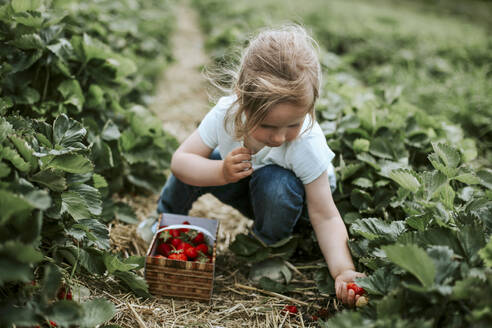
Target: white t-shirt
[{"x": 308, "y": 156}]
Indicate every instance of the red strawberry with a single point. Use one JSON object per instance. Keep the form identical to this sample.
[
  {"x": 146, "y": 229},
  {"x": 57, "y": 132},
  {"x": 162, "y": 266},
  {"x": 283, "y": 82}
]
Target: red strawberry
[
  {"x": 178, "y": 256},
  {"x": 183, "y": 245},
  {"x": 164, "y": 249},
  {"x": 292, "y": 309},
  {"x": 191, "y": 252},
  {"x": 175, "y": 232},
  {"x": 202, "y": 248},
  {"x": 358, "y": 290},
  {"x": 64, "y": 293},
  {"x": 199, "y": 238},
  {"x": 186, "y": 222},
  {"x": 176, "y": 242}
]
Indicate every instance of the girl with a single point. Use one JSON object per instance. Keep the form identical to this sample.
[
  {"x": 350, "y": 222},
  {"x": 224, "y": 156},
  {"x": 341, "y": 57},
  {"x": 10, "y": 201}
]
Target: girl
[{"x": 261, "y": 151}]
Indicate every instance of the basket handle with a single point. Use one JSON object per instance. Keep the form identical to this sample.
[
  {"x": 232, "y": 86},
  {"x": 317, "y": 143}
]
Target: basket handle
[{"x": 188, "y": 226}]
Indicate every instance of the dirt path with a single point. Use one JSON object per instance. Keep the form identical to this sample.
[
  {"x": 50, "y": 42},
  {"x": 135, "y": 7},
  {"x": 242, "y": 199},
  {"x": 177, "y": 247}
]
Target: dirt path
[{"x": 182, "y": 101}]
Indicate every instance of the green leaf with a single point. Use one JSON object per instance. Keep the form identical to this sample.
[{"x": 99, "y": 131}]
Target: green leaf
[
  {"x": 406, "y": 179},
  {"x": 449, "y": 155},
  {"x": 274, "y": 286},
  {"x": 382, "y": 147},
  {"x": 446, "y": 196},
  {"x": 25, "y": 5},
  {"x": 96, "y": 312},
  {"x": 75, "y": 205},
  {"x": 274, "y": 269},
  {"x": 96, "y": 232},
  {"x": 414, "y": 260},
  {"x": 28, "y": 41},
  {"x": 16, "y": 260},
  {"x": 419, "y": 222},
  {"x": 72, "y": 93},
  {"x": 361, "y": 145},
  {"x": 468, "y": 178},
  {"x": 362, "y": 183},
  {"x": 72, "y": 163},
  {"x": 360, "y": 199},
  {"x": 95, "y": 97},
  {"x": 380, "y": 282},
  {"x": 485, "y": 176},
  {"x": 51, "y": 281},
  {"x": 68, "y": 132},
  {"x": 4, "y": 170},
  {"x": 65, "y": 313},
  {"x": 432, "y": 182},
  {"x": 486, "y": 253},
  {"x": 324, "y": 281},
  {"x": 25, "y": 150},
  {"x": 472, "y": 239},
  {"x": 11, "y": 204},
  {"x": 99, "y": 181},
  {"x": 134, "y": 282},
  {"x": 374, "y": 228},
  {"x": 110, "y": 131},
  {"x": 443, "y": 260},
  {"x": 125, "y": 213},
  {"x": 53, "y": 179},
  {"x": 244, "y": 245},
  {"x": 13, "y": 156},
  {"x": 349, "y": 170},
  {"x": 114, "y": 264},
  {"x": 91, "y": 196}
]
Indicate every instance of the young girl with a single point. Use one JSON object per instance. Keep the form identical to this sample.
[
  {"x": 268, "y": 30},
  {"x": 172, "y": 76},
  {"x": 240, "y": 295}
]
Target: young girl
[{"x": 261, "y": 151}]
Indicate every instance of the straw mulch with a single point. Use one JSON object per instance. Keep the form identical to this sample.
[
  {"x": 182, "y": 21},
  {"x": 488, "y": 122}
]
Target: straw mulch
[{"x": 235, "y": 302}]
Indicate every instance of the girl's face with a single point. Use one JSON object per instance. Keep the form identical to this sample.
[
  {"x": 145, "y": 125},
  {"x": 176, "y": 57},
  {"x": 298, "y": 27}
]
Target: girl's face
[{"x": 283, "y": 123}]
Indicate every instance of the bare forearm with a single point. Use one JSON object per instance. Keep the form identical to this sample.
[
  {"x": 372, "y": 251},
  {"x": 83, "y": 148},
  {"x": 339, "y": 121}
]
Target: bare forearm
[
  {"x": 196, "y": 170},
  {"x": 332, "y": 238}
]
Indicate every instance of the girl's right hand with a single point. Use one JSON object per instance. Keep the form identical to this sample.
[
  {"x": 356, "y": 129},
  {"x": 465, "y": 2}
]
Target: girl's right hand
[{"x": 237, "y": 165}]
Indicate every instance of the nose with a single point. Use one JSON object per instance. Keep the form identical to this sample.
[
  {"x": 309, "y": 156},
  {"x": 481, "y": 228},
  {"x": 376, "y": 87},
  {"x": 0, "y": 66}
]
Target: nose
[{"x": 277, "y": 138}]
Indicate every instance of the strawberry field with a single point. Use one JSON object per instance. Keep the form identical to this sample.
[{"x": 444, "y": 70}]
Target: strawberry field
[{"x": 406, "y": 106}]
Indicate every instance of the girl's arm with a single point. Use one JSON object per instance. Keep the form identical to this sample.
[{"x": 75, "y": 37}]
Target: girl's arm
[
  {"x": 191, "y": 164},
  {"x": 332, "y": 236}
]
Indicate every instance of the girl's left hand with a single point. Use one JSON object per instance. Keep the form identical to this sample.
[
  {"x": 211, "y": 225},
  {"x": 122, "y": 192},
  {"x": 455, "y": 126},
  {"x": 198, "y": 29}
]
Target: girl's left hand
[{"x": 347, "y": 296}]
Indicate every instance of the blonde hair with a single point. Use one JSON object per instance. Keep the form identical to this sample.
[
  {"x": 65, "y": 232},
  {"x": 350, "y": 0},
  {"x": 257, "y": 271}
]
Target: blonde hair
[{"x": 278, "y": 66}]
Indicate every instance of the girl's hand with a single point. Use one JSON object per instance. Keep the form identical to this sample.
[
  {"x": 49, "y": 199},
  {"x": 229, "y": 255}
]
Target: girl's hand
[
  {"x": 347, "y": 296},
  {"x": 237, "y": 165}
]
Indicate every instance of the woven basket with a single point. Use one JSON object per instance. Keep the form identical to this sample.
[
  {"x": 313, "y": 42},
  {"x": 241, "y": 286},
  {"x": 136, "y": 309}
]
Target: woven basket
[{"x": 182, "y": 279}]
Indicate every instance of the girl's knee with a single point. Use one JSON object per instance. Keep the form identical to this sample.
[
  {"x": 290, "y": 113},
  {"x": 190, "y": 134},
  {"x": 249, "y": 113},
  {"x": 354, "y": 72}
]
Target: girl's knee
[{"x": 277, "y": 184}]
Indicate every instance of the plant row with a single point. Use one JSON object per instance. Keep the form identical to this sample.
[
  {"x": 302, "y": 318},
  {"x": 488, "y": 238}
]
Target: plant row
[
  {"x": 410, "y": 188},
  {"x": 75, "y": 79}
]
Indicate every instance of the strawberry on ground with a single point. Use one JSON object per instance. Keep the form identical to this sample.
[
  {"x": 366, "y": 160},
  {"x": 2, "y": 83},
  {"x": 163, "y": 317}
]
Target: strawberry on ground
[
  {"x": 292, "y": 309},
  {"x": 64, "y": 293}
]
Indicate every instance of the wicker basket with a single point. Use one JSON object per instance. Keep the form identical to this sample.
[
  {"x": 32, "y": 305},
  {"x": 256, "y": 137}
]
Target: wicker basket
[{"x": 183, "y": 279}]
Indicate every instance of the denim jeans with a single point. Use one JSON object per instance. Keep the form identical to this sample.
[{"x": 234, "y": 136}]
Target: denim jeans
[{"x": 272, "y": 196}]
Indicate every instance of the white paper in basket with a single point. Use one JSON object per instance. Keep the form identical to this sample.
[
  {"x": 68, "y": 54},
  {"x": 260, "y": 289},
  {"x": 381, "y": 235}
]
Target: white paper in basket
[{"x": 208, "y": 236}]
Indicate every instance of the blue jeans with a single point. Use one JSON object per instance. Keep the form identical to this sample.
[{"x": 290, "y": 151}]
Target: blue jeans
[{"x": 272, "y": 196}]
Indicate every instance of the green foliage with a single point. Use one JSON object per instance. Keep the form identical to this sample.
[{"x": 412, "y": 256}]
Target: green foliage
[
  {"x": 410, "y": 186},
  {"x": 74, "y": 129}
]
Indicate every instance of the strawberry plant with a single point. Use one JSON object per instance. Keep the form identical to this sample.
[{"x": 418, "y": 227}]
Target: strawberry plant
[{"x": 74, "y": 130}]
